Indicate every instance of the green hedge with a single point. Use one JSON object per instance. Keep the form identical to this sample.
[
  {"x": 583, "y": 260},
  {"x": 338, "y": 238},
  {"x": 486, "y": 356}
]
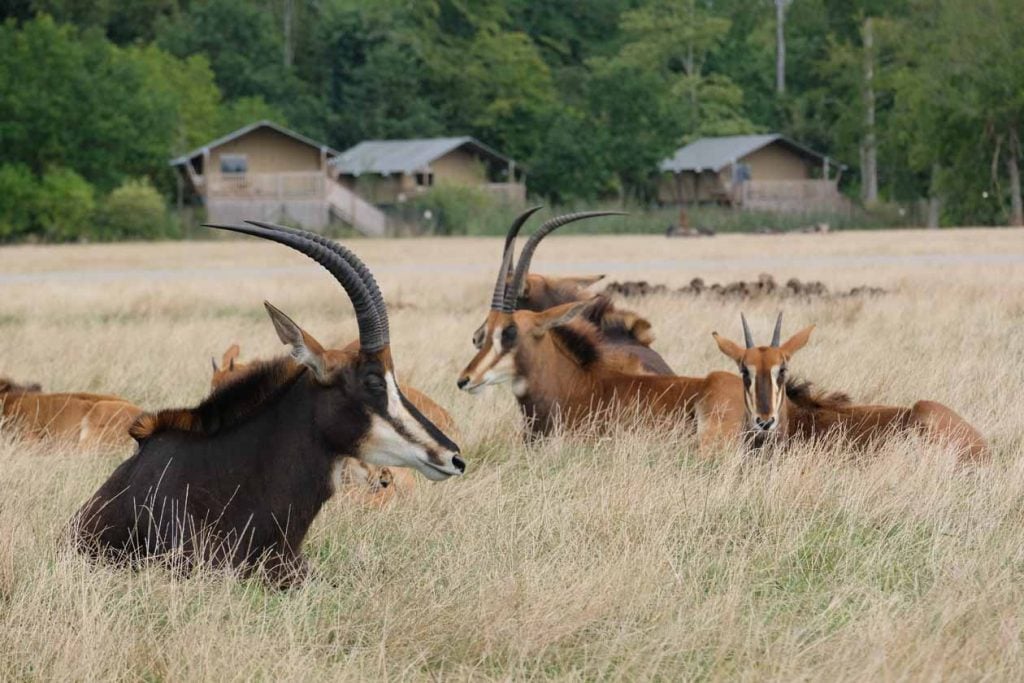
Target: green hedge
[
  {"x": 61, "y": 206},
  {"x": 464, "y": 211}
]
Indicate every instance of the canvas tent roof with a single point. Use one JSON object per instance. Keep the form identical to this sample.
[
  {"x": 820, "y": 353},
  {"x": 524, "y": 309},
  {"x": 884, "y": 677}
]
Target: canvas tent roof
[
  {"x": 385, "y": 157},
  {"x": 714, "y": 154},
  {"x": 246, "y": 130}
]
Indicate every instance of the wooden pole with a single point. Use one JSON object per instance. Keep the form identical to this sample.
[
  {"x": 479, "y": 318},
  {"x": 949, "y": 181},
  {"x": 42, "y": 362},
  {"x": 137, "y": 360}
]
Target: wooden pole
[{"x": 780, "y": 46}]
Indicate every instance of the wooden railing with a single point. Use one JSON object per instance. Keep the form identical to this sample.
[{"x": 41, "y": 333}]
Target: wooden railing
[
  {"x": 791, "y": 189},
  {"x": 791, "y": 196},
  {"x": 356, "y": 211},
  {"x": 510, "y": 192},
  {"x": 289, "y": 185}
]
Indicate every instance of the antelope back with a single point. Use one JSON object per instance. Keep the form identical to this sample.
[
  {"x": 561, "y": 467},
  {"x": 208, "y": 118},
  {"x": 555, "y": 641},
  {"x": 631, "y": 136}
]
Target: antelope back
[{"x": 541, "y": 292}]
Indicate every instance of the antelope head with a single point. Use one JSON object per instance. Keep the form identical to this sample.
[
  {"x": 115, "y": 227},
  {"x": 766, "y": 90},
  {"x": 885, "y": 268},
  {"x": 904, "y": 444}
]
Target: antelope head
[
  {"x": 541, "y": 292},
  {"x": 358, "y": 397},
  {"x": 229, "y": 367},
  {"x": 764, "y": 370},
  {"x": 507, "y": 331}
]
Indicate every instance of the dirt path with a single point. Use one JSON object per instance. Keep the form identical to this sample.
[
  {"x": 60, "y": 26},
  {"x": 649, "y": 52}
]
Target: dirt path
[{"x": 609, "y": 267}]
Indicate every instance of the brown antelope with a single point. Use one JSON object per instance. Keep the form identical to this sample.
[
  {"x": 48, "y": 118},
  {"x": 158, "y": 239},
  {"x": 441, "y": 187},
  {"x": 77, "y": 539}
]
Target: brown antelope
[
  {"x": 237, "y": 480},
  {"x": 541, "y": 292},
  {"x": 562, "y": 372},
  {"x": 9, "y": 386},
  {"x": 89, "y": 421},
  {"x": 624, "y": 334},
  {"x": 777, "y": 408},
  {"x": 229, "y": 369}
]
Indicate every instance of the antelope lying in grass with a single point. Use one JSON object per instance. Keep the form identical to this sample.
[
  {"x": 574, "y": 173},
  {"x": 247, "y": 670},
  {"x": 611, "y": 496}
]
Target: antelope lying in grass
[
  {"x": 541, "y": 292},
  {"x": 778, "y": 408},
  {"x": 238, "y": 480},
  {"x": 90, "y": 421},
  {"x": 562, "y": 371},
  {"x": 230, "y": 367},
  {"x": 624, "y": 334}
]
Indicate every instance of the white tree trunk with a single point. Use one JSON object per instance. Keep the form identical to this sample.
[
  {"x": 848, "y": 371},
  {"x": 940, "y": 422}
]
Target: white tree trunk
[
  {"x": 1013, "y": 170},
  {"x": 869, "y": 145},
  {"x": 288, "y": 51},
  {"x": 780, "y": 46}
]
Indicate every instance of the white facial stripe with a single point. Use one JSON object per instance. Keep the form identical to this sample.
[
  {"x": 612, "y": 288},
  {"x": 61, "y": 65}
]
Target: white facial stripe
[
  {"x": 500, "y": 367},
  {"x": 398, "y": 411},
  {"x": 776, "y": 394},
  {"x": 385, "y": 447},
  {"x": 502, "y": 371}
]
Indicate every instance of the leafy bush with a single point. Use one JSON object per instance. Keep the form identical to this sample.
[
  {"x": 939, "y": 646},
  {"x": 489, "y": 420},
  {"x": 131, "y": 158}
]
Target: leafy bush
[
  {"x": 133, "y": 210},
  {"x": 64, "y": 205},
  {"x": 453, "y": 210},
  {"x": 18, "y": 190}
]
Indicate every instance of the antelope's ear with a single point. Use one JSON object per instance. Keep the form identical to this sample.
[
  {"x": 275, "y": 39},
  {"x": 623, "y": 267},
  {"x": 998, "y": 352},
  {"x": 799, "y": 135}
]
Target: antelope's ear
[
  {"x": 584, "y": 281},
  {"x": 228, "y": 360},
  {"x": 530, "y": 283},
  {"x": 305, "y": 349},
  {"x": 728, "y": 347},
  {"x": 558, "y": 315},
  {"x": 797, "y": 341}
]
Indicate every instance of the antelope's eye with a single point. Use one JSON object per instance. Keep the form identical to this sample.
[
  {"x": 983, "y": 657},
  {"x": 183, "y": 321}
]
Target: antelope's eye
[
  {"x": 509, "y": 335},
  {"x": 782, "y": 373},
  {"x": 478, "y": 338},
  {"x": 374, "y": 382},
  {"x": 745, "y": 374}
]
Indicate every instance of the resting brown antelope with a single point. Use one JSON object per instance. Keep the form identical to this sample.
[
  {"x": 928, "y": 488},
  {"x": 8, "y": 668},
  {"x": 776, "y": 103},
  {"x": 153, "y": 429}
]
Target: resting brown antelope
[
  {"x": 89, "y": 421},
  {"x": 624, "y": 334},
  {"x": 541, "y": 292},
  {"x": 561, "y": 372},
  {"x": 230, "y": 367},
  {"x": 779, "y": 408},
  {"x": 237, "y": 480}
]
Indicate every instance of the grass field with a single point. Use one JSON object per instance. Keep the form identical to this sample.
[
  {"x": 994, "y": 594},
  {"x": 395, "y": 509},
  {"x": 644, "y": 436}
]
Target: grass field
[{"x": 624, "y": 556}]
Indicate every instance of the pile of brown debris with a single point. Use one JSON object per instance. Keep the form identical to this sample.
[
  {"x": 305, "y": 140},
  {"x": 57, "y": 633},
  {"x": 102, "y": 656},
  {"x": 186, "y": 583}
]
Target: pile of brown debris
[{"x": 765, "y": 285}]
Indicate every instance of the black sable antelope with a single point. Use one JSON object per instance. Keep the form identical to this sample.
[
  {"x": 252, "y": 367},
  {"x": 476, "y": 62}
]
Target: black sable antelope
[{"x": 238, "y": 480}]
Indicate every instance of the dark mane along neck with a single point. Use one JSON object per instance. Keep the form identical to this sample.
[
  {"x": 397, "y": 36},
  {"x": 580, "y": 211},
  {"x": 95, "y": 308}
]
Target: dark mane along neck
[
  {"x": 9, "y": 386},
  {"x": 579, "y": 342},
  {"x": 618, "y": 324},
  {"x": 227, "y": 405},
  {"x": 804, "y": 396}
]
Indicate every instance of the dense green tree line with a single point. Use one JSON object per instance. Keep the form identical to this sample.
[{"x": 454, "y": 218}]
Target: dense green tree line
[{"x": 922, "y": 99}]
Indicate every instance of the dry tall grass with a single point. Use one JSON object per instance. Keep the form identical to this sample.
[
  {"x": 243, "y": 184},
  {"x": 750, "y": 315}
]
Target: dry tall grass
[{"x": 623, "y": 556}]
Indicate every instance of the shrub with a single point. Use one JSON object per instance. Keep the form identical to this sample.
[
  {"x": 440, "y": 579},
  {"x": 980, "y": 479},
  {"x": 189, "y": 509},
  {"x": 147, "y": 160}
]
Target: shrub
[
  {"x": 133, "y": 210},
  {"x": 18, "y": 191},
  {"x": 451, "y": 210},
  {"x": 64, "y": 205}
]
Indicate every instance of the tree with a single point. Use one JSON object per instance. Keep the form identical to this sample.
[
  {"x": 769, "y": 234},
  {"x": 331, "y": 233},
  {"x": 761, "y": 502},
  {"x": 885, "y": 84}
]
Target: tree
[
  {"x": 74, "y": 100},
  {"x": 244, "y": 47},
  {"x": 960, "y": 105},
  {"x": 780, "y": 46}
]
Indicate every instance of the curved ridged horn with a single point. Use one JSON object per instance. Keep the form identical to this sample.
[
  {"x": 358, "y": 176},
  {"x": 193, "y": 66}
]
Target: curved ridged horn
[
  {"x": 505, "y": 273},
  {"x": 747, "y": 337},
  {"x": 357, "y": 265},
  {"x": 549, "y": 226},
  {"x": 778, "y": 331},
  {"x": 371, "y": 329}
]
